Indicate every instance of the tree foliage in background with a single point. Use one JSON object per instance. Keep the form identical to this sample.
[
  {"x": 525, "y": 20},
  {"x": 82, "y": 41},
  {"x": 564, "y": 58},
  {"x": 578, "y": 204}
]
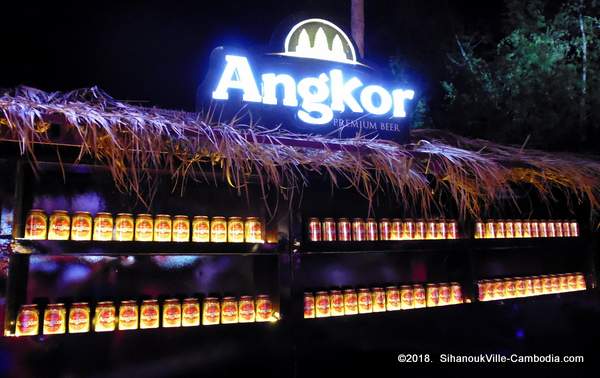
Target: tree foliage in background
[{"x": 540, "y": 83}]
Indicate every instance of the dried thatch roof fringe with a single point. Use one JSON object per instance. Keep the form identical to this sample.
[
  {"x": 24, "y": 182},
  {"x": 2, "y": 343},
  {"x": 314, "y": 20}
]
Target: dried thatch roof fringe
[{"x": 134, "y": 141}]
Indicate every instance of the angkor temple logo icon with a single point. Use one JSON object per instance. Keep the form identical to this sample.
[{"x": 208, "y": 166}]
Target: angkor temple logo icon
[{"x": 316, "y": 38}]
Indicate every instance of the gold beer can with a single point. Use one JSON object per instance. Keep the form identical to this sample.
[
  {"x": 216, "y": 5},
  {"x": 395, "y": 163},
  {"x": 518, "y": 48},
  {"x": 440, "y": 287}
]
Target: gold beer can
[
  {"x": 124, "y": 227},
  {"x": 103, "y": 227},
  {"x": 358, "y": 230},
  {"x": 542, "y": 226},
  {"x": 538, "y": 285},
  {"x": 235, "y": 230},
  {"x": 144, "y": 228},
  {"x": 558, "y": 229},
  {"x": 314, "y": 229},
  {"x": 211, "y": 311},
  {"x": 555, "y": 282},
  {"x": 419, "y": 297},
  {"x": 171, "y": 313},
  {"x": 482, "y": 290},
  {"x": 371, "y": 229},
  {"x": 200, "y": 229},
  {"x": 385, "y": 229},
  {"x": 444, "y": 294},
  {"x": 563, "y": 282},
  {"x": 365, "y": 301},
  {"x": 509, "y": 229},
  {"x": 128, "y": 315},
  {"x": 149, "y": 314},
  {"x": 452, "y": 230},
  {"x": 344, "y": 230},
  {"x": 218, "y": 230},
  {"x": 60, "y": 225},
  {"x": 519, "y": 286},
  {"x": 309, "y": 305},
  {"x": 489, "y": 230},
  {"x": 253, "y": 230},
  {"x": 79, "y": 317},
  {"x": 572, "y": 279},
  {"x": 408, "y": 230},
  {"x": 550, "y": 229},
  {"x": 510, "y": 289},
  {"x": 181, "y": 228},
  {"x": 36, "y": 225},
  {"x": 190, "y": 312},
  {"x": 246, "y": 313},
  {"x": 528, "y": 282},
  {"x": 490, "y": 290},
  {"x": 81, "y": 226},
  {"x": 329, "y": 233},
  {"x": 392, "y": 298},
  {"x": 322, "y": 304},
  {"x": 433, "y": 295},
  {"x": 430, "y": 230},
  {"x": 535, "y": 228},
  {"x": 574, "y": 228},
  {"x": 264, "y": 308},
  {"x": 479, "y": 230},
  {"x": 546, "y": 284},
  {"x": 518, "y": 228},
  {"x": 499, "y": 231},
  {"x": 407, "y": 299},
  {"x": 229, "y": 310},
  {"x": 396, "y": 229},
  {"x": 28, "y": 320},
  {"x": 105, "y": 317},
  {"x": 440, "y": 229},
  {"x": 456, "y": 296},
  {"x": 566, "y": 229},
  {"x": 163, "y": 228},
  {"x": 526, "y": 229},
  {"x": 336, "y": 299},
  {"x": 420, "y": 227},
  {"x": 350, "y": 302},
  {"x": 580, "y": 281},
  {"x": 378, "y": 299},
  {"x": 55, "y": 319},
  {"x": 499, "y": 292}
]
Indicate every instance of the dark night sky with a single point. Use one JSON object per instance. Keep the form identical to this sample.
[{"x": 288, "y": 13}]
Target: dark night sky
[{"x": 157, "y": 51}]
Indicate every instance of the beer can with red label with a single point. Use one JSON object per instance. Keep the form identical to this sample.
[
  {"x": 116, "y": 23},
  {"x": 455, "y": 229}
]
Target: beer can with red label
[
  {"x": 430, "y": 230},
  {"x": 36, "y": 225},
  {"x": 124, "y": 227},
  {"x": 378, "y": 299},
  {"x": 358, "y": 230},
  {"x": 499, "y": 230},
  {"x": 420, "y": 227},
  {"x": 211, "y": 311},
  {"x": 371, "y": 229},
  {"x": 350, "y": 302},
  {"x": 509, "y": 229},
  {"x": 538, "y": 285},
  {"x": 419, "y": 297},
  {"x": 60, "y": 225},
  {"x": 566, "y": 229},
  {"x": 499, "y": 292},
  {"x": 456, "y": 296},
  {"x": 519, "y": 286},
  {"x": 433, "y": 295},
  {"x": 490, "y": 231},
  {"x": 314, "y": 229},
  {"x": 528, "y": 283},
  {"x": 336, "y": 299},
  {"x": 264, "y": 308},
  {"x": 344, "y": 230},
  {"x": 144, "y": 227},
  {"x": 79, "y": 318},
  {"x": 392, "y": 296},
  {"x": 479, "y": 230},
  {"x": 396, "y": 229},
  {"x": 105, "y": 317},
  {"x": 526, "y": 229},
  {"x": 580, "y": 279},
  {"x": 190, "y": 312},
  {"x": 535, "y": 228},
  {"x": 444, "y": 294},
  {"x": 171, "y": 313},
  {"x": 309, "y": 306},
  {"x": 408, "y": 230},
  {"x": 482, "y": 289},
  {"x": 574, "y": 229},
  {"x": 451, "y": 230},
  {"x": 563, "y": 282},
  {"x": 365, "y": 301},
  {"x": 440, "y": 229},
  {"x": 329, "y": 233},
  {"x": 149, "y": 314},
  {"x": 558, "y": 229},
  {"x": 510, "y": 289},
  {"x": 181, "y": 228},
  {"x": 28, "y": 320},
  {"x": 103, "y": 226},
  {"x": 322, "y": 304},
  {"x": 555, "y": 282},
  {"x": 253, "y": 230},
  {"x": 200, "y": 229},
  {"x": 235, "y": 230},
  {"x": 229, "y": 310},
  {"x": 518, "y": 228},
  {"x": 407, "y": 297},
  {"x": 81, "y": 226},
  {"x": 218, "y": 230},
  {"x": 543, "y": 229},
  {"x": 128, "y": 315},
  {"x": 55, "y": 319},
  {"x": 385, "y": 229},
  {"x": 246, "y": 313},
  {"x": 547, "y": 284},
  {"x": 550, "y": 229}
]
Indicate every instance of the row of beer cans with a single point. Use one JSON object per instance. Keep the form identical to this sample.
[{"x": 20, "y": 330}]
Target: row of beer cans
[
  {"x": 494, "y": 229},
  {"x": 128, "y": 315},
  {"x": 516, "y": 287},
  {"x": 337, "y": 302}
]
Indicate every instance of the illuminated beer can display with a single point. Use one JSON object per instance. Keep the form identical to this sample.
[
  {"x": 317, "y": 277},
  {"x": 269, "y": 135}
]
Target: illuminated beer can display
[
  {"x": 371, "y": 229},
  {"x": 365, "y": 301},
  {"x": 490, "y": 289},
  {"x": 440, "y": 229},
  {"x": 350, "y": 302},
  {"x": 55, "y": 319},
  {"x": 407, "y": 296},
  {"x": 499, "y": 231},
  {"x": 408, "y": 230},
  {"x": 336, "y": 303},
  {"x": 264, "y": 308},
  {"x": 200, "y": 229},
  {"x": 144, "y": 228},
  {"x": 190, "y": 312},
  {"x": 451, "y": 230},
  {"x": 558, "y": 229},
  {"x": 444, "y": 294},
  {"x": 563, "y": 281},
  {"x": 344, "y": 230},
  {"x": 509, "y": 288},
  {"x": 149, "y": 314},
  {"x": 358, "y": 229},
  {"x": 81, "y": 226},
  {"x": 128, "y": 315},
  {"x": 392, "y": 298},
  {"x": 456, "y": 296},
  {"x": 519, "y": 286},
  {"x": 253, "y": 230},
  {"x": 211, "y": 311},
  {"x": 420, "y": 227},
  {"x": 572, "y": 281},
  {"x": 60, "y": 225},
  {"x": 309, "y": 305},
  {"x": 499, "y": 291},
  {"x": 418, "y": 295},
  {"x": 430, "y": 230},
  {"x": 528, "y": 283},
  {"x": 479, "y": 230},
  {"x": 329, "y": 226},
  {"x": 79, "y": 318},
  {"x": 124, "y": 227},
  {"x": 378, "y": 299},
  {"x": 546, "y": 284},
  {"x": 526, "y": 229},
  {"x": 482, "y": 289},
  {"x": 28, "y": 320},
  {"x": 509, "y": 229},
  {"x": 489, "y": 230},
  {"x": 163, "y": 228},
  {"x": 580, "y": 279},
  {"x": 229, "y": 310},
  {"x": 518, "y": 228},
  {"x": 574, "y": 229},
  {"x": 235, "y": 230},
  {"x": 396, "y": 229},
  {"x": 218, "y": 230},
  {"x": 36, "y": 225},
  {"x": 171, "y": 313},
  {"x": 246, "y": 312},
  {"x": 105, "y": 317},
  {"x": 385, "y": 229},
  {"x": 181, "y": 228},
  {"x": 322, "y": 304},
  {"x": 103, "y": 227},
  {"x": 555, "y": 282},
  {"x": 550, "y": 229},
  {"x": 566, "y": 229},
  {"x": 543, "y": 229},
  {"x": 314, "y": 229},
  {"x": 535, "y": 228},
  {"x": 538, "y": 286},
  {"x": 433, "y": 295}
]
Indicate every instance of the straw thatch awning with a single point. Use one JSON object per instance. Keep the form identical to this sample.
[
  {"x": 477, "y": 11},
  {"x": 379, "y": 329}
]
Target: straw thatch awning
[{"x": 135, "y": 141}]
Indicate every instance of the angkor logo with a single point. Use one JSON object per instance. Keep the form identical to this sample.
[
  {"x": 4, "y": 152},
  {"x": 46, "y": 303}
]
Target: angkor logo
[{"x": 319, "y": 39}]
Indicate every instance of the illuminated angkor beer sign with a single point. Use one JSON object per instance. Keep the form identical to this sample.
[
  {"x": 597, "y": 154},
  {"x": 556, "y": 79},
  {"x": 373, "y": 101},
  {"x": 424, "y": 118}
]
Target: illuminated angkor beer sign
[{"x": 316, "y": 85}]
